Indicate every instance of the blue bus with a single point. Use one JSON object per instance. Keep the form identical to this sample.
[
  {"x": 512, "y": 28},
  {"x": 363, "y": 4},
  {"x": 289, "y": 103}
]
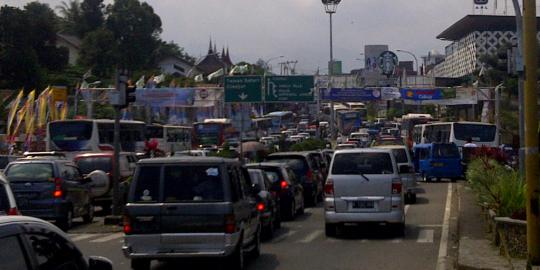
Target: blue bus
[{"x": 280, "y": 119}]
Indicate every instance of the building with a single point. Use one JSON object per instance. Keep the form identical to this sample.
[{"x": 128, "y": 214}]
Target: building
[
  {"x": 175, "y": 66},
  {"x": 472, "y": 37},
  {"x": 212, "y": 62},
  {"x": 72, "y": 43}
]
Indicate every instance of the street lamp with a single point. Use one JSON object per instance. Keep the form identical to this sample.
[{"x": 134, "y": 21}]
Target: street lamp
[
  {"x": 268, "y": 61},
  {"x": 415, "y": 61},
  {"x": 330, "y": 7}
]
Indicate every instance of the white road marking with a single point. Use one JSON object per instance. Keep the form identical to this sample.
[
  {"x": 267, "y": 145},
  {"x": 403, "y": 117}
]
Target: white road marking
[
  {"x": 80, "y": 237},
  {"x": 425, "y": 236},
  {"x": 396, "y": 241},
  {"x": 428, "y": 225},
  {"x": 311, "y": 236},
  {"x": 443, "y": 247},
  {"x": 284, "y": 236},
  {"x": 406, "y": 209},
  {"x": 363, "y": 241},
  {"x": 108, "y": 238}
]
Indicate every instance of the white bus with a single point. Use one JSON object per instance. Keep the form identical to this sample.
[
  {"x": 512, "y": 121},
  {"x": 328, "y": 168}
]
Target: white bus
[
  {"x": 93, "y": 135},
  {"x": 459, "y": 132},
  {"x": 170, "y": 138}
]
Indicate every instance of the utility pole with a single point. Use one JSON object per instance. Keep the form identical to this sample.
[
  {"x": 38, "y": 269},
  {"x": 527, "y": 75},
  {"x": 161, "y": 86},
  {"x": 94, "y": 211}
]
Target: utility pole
[
  {"x": 519, "y": 70},
  {"x": 530, "y": 54}
]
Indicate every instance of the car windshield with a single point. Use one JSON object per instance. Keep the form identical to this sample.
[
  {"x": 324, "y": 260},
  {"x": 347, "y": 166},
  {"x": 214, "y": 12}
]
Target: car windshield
[
  {"x": 362, "y": 163},
  {"x": 90, "y": 164},
  {"x": 29, "y": 172}
]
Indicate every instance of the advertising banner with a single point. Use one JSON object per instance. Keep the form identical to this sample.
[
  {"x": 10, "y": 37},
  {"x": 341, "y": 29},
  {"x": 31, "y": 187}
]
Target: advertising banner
[
  {"x": 164, "y": 97},
  {"x": 350, "y": 94},
  {"x": 463, "y": 96},
  {"x": 428, "y": 94}
]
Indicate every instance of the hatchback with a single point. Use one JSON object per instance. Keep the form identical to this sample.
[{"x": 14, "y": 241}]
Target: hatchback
[
  {"x": 364, "y": 185},
  {"x": 268, "y": 206},
  {"x": 191, "y": 207}
]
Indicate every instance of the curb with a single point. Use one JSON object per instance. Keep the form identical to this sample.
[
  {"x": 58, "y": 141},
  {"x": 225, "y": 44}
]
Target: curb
[{"x": 453, "y": 241}]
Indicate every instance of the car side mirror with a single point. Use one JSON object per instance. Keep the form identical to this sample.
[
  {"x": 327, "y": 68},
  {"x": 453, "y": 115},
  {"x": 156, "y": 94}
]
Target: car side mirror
[
  {"x": 99, "y": 263},
  {"x": 404, "y": 169},
  {"x": 255, "y": 188}
]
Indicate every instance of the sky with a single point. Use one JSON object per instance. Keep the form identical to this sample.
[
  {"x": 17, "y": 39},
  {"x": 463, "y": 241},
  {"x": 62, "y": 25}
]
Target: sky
[{"x": 299, "y": 29}]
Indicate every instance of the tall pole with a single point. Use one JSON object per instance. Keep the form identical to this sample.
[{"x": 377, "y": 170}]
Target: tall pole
[
  {"x": 530, "y": 55},
  {"x": 519, "y": 69},
  {"x": 330, "y": 73}
]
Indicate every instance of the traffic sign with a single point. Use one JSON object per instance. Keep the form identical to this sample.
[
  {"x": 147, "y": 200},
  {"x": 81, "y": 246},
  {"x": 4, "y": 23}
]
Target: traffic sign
[
  {"x": 240, "y": 89},
  {"x": 289, "y": 89}
]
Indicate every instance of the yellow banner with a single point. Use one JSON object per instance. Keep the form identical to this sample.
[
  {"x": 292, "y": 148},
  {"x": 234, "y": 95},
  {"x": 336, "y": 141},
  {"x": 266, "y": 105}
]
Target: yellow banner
[{"x": 12, "y": 111}]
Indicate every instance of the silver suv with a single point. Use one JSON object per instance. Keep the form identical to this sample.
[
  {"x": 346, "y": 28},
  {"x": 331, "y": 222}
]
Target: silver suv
[{"x": 364, "y": 185}]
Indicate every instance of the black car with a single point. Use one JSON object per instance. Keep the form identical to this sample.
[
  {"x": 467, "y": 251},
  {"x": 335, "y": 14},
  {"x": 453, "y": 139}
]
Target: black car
[
  {"x": 306, "y": 170},
  {"x": 34, "y": 244},
  {"x": 269, "y": 202},
  {"x": 185, "y": 207},
  {"x": 286, "y": 185},
  {"x": 51, "y": 189}
]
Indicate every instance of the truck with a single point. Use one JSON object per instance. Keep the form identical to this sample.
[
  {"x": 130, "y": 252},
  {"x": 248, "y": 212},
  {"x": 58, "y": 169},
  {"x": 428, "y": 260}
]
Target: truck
[{"x": 348, "y": 121}]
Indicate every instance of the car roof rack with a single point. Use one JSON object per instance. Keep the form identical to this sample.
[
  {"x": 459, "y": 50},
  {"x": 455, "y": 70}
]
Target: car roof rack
[{"x": 44, "y": 154}]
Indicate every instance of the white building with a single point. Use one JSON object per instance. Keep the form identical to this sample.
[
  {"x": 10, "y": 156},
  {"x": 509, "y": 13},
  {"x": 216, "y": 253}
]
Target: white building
[
  {"x": 72, "y": 43},
  {"x": 174, "y": 66}
]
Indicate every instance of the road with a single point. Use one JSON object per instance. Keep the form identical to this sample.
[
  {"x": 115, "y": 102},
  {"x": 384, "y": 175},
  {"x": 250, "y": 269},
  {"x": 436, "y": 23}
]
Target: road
[{"x": 301, "y": 244}]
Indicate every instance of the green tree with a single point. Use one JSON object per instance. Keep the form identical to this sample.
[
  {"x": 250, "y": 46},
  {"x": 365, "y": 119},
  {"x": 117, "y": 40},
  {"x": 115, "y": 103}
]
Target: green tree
[
  {"x": 92, "y": 16},
  {"x": 136, "y": 29},
  {"x": 167, "y": 49},
  {"x": 71, "y": 16},
  {"x": 99, "y": 52}
]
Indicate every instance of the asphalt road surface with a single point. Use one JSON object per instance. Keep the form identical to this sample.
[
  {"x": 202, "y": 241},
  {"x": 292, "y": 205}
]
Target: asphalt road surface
[{"x": 302, "y": 244}]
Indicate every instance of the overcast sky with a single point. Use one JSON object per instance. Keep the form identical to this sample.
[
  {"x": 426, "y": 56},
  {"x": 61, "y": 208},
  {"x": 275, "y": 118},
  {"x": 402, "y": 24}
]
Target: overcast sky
[{"x": 299, "y": 29}]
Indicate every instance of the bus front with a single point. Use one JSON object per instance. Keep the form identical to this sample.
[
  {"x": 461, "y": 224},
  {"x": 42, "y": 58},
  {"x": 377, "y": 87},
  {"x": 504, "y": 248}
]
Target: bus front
[{"x": 207, "y": 134}]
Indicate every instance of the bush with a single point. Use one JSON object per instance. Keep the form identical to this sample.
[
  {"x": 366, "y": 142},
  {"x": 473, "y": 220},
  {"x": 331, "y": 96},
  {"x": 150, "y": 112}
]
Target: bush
[{"x": 501, "y": 188}]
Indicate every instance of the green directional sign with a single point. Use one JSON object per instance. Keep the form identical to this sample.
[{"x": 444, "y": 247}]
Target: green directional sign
[
  {"x": 243, "y": 89},
  {"x": 289, "y": 89}
]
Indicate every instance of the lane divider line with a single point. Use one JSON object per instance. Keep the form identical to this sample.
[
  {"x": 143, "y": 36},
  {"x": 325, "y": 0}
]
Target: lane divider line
[
  {"x": 80, "y": 237},
  {"x": 312, "y": 236},
  {"x": 108, "y": 238},
  {"x": 443, "y": 246},
  {"x": 425, "y": 236}
]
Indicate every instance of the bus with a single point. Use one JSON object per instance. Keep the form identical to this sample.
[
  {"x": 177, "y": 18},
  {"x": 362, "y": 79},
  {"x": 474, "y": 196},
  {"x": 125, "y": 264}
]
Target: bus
[
  {"x": 170, "y": 138},
  {"x": 408, "y": 122},
  {"x": 93, "y": 135},
  {"x": 212, "y": 132},
  {"x": 482, "y": 134},
  {"x": 359, "y": 107},
  {"x": 262, "y": 126},
  {"x": 280, "y": 119}
]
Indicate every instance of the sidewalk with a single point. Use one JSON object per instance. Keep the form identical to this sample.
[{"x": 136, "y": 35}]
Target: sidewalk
[{"x": 475, "y": 250}]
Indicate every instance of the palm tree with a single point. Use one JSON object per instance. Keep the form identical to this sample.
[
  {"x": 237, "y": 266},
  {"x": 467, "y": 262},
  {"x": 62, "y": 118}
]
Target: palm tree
[{"x": 70, "y": 13}]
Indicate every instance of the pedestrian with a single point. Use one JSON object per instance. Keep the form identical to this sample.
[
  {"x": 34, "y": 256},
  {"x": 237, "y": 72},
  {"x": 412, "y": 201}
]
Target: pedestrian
[{"x": 470, "y": 143}]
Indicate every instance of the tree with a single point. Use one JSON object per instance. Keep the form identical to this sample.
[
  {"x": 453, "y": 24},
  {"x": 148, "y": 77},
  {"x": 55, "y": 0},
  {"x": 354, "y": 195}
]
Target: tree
[
  {"x": 70, "y": 16},
  {"x": 99, "y": 52},
  {"x": 136, "y": 29},
  {"x": 166, "y": 49},
  {"x": 92, "y": 16}
]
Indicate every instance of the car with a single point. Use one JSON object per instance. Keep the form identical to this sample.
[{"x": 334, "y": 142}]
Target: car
[
  {"x": 54, "y": 189},
  {"x": 306, "y": 135},
  {"x": 268, "y": 206},
  {"x": 268, "y": 141},
  {"x": 346, "y": 146},
  {"x": 403, "y": 157},
  {"x": 305, "y": 170},
  {"x": 438, "y": 161},
  {"x": 319, "y": 161},
  {"x": 387, "y": 140},
  {"x": 193, "y": 153},
  {"x": 296, "y": 138},
  {"x": 89, "y": 162},
  {"x": 286, "y": 185},
  {"x": 34, "y": 244},
  {"x": 191, "y": 207},
  {"x": 328, "y": 153},
  {"x": 8, "y": 205},
  {"x": 6, "y": 159},
  {"x": 364, "y": 185}
]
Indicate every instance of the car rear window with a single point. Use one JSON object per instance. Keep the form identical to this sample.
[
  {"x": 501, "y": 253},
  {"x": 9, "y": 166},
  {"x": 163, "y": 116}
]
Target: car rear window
[
  {"x": 4, "y": 201},
  {"x": 445, "y": 150},
  {"x": 146, "y": 185},
  {"x": 256, "y": 177},
  {"x": 298, "y": 165},
  {"x": 401, "y": 156},
  {"x": 193, "y": 184},
  {"x": 90, "y": 164},
  {"x": 362, "y": 163},
  {"x": 29, "y": 172},
  {"x": 273, "y": 174}
]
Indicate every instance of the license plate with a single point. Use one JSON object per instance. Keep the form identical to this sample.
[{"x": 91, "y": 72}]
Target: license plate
[
  {"x": 363, "y": 204},
  {"x": 438, "y": 164}
]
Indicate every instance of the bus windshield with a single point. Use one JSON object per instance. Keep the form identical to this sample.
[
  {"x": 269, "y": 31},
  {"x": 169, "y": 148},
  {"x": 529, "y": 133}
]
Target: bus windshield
[
  {"x": 207, "y": 134},
  {"x": 70, "y": 135},
  {"x": 477, "y": 132}
]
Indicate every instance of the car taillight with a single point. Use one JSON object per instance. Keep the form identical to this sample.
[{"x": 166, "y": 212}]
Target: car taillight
[
  {"x": 13, "y": 211},
  {"x": 127, "y": 225},
  {"x": 309, "y": 176},
  {"x": 329, "y": 187},
  {"x": 283, "y": 184},
  {"x": 58, "y": 188},
  {"x": 396, "y": 188},
  {"x": 230, "y": 224},
  {"x": 260, "y": 207}
]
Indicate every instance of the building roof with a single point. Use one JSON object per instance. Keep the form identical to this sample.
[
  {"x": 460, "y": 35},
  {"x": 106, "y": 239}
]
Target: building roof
[
  {"x": 472, "y": 23},
  {"x": 73, "y": 40}
]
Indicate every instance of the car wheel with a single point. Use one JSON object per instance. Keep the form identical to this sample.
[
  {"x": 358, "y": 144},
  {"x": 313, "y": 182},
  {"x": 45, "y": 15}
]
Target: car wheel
[
  {"x": 330, "y": 229},
  {"x": 453, "y": 180},
  {"x": 236, "y": 260},
  {"x": 292, "y": 210},
  {"x": 89, "y": 216},
  {"x": 399, "y": 229},
  {"x": 269, "y": 229},
  {"x": 301, "y": 210},
  {"x": 140, "y": 264},
  {"x": 413, "y": 198},
  {"x": 65, "y": 223},
  {"x": 106, "y": 208}
]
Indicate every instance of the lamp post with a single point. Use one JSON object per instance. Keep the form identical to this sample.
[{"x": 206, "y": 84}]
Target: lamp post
[
  {"x": 268, "y": 61},
  {"x": 415, "y": 62},
  {"x": 330, "y": 7}
]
